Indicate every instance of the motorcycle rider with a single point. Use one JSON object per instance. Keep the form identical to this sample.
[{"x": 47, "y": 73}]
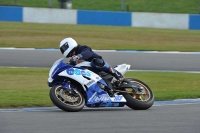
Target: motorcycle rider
[{"x": 79, "y": 53}]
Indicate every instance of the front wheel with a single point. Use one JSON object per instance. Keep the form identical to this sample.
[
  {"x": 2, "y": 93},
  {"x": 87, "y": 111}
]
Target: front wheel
[
  {"x": 137, "y": 101},
  {"x": 65, "y": 101}
]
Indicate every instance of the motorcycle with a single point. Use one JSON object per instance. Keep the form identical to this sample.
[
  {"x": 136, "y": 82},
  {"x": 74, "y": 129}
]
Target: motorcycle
[{"x": 74, "y": 86}]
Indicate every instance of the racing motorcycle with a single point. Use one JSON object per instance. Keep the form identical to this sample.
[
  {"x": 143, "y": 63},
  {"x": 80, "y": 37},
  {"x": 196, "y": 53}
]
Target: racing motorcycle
[{"x": 74, "y": 86}]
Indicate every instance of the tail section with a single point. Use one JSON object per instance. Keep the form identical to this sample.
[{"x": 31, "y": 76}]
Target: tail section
[{"x": 123, "y": 68}]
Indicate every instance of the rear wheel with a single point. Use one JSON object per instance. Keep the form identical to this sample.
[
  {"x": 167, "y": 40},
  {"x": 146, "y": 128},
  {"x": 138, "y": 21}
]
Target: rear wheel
[
  {"x": 141, "y": 101},
  {"x": 66, "y": 101}
]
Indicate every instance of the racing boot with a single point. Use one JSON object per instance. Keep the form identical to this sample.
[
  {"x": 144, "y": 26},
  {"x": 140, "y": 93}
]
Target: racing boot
[{"x": 117, "y": 75}]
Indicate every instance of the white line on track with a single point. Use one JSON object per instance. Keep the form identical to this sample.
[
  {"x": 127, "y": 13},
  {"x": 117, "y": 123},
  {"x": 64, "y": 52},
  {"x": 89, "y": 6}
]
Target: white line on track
[
  {"x": 156, "y": 103},
  {"x": 125, "y": 51}
]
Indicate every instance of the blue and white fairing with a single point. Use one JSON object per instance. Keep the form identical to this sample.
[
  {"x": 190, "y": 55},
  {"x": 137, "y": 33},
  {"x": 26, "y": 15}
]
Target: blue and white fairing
[{"x": 96, "y": 97}]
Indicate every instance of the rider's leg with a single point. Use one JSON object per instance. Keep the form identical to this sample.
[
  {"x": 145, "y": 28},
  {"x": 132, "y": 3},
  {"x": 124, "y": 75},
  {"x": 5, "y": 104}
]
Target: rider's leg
[
  {"x": 100, "y": 64},
  {"x": 116, "y": 74}
]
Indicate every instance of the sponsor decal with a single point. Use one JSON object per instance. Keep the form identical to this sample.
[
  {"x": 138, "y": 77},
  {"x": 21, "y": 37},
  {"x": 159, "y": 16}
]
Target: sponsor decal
[
  {"x": 109, "y": 104},
  {"x": 77, "y": 72},
  {"x": 83, "y": 73},
  {"x": 118, "y": 98},
  {"x": 88, "y": 74},
  {"x": 90, "y": 82},
  {"x": 99, "y": 98},
  {"x": 72, "y": 71}
]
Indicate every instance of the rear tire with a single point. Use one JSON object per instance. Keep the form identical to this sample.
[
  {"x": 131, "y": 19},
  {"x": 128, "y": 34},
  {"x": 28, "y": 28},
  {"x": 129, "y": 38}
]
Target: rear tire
[
  {"x": 139, "y": 101},
  {"x": 62, "y": 100}
]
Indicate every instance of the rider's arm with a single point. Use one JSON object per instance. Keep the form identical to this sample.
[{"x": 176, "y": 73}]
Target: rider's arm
[{"x": 88, "y": 54}]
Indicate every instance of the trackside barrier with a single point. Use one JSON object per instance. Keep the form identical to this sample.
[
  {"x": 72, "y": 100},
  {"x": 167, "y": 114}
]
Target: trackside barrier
[
  {"x": 104, "y": 18},
  {"x": 194, "y": 22},
  {"x": 89, "y": 17},
  {"x": 11, "y": 13}
]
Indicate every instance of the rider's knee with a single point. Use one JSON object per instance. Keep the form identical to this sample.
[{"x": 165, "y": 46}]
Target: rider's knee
[
  {"x": 97, "y": 62},
  {"x": 100, "y": 64}
]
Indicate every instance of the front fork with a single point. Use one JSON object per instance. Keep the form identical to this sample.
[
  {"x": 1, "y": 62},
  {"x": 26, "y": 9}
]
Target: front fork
[{"x": 70, "y": 89}]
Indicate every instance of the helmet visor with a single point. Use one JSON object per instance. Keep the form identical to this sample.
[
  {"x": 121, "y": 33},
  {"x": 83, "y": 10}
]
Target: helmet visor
[{"x": 64, "y": 48}]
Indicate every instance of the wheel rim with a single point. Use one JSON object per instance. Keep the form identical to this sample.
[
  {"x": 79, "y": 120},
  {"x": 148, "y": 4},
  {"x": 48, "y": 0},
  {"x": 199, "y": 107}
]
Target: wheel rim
[
  {"x": 67, "y": 99},
  {"x": 140, "y": 97}
]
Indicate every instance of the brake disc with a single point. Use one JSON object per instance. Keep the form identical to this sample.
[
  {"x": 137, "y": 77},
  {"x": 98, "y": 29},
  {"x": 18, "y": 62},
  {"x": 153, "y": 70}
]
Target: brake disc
[{"x": 68, "y": 97}]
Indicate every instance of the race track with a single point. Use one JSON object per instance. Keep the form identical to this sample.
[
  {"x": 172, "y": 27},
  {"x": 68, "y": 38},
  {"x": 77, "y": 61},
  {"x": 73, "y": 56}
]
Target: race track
[
  {"x": 162, "y": 117},
  {"x": 138, "y": 60},
  {"x": 158, "y": 119}
]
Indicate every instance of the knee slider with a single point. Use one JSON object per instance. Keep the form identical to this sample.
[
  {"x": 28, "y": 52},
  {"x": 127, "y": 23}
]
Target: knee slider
[
  {"x": 97, "y": 63},
  {"x": 100, "y": 64}
]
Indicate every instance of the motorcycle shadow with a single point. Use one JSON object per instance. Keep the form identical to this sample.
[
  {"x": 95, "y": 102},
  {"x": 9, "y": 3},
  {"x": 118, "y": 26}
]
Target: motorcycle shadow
[
  {"x": 104, "y": 109},
  {"x": 86, "y": 109}
]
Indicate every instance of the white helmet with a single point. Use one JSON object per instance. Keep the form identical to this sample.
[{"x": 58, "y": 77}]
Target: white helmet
[{"x": 67, "y": 46}]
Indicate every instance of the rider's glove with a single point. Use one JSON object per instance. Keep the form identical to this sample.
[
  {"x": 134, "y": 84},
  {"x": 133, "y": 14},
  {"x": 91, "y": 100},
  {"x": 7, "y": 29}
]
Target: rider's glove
[{"x": 77, "y": 57}]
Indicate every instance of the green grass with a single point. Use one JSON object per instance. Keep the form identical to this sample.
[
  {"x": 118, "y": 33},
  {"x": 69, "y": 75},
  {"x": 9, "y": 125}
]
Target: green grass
[
  {"x": 170, "y": 85},
  {"x": 27, "y": 87},
  {"x": 168, "y": 6},
  {"x": 22, "y": 87},
  {"x": 13, "y": 34}
]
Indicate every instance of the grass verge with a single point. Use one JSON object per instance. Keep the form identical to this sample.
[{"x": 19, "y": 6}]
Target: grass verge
[
  {"x": 21, "y": 87},
  {"x": 32, "y": 35}
]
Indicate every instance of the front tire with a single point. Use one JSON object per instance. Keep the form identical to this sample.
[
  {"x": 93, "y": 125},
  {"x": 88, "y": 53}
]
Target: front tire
[
  {"x": 66, "y": 102},
  {"x": 139, "y": 101}
]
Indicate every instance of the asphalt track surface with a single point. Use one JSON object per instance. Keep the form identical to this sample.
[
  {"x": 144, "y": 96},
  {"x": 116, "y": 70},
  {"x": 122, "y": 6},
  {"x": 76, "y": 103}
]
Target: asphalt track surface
[
  {"x": 158, "y": 119},
  {"x": 162, "y": 117},
  {"x": 173, "y": 61}
]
